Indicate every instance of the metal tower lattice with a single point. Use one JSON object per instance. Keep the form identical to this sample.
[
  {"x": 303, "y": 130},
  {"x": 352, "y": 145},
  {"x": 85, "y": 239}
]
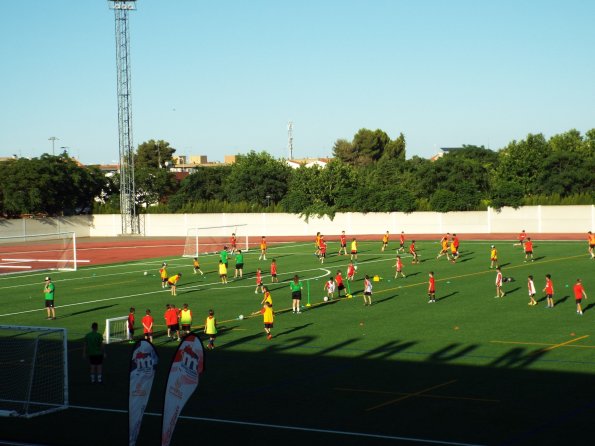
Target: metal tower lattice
[
  {"x": 290, "y": 139},
  {"x": 128, "y": 210}
]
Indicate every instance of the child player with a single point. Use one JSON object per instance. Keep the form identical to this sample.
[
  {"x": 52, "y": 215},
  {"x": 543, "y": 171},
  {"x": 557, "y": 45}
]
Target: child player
[
  {"x": 263, "y": 248},
  {"x": 531, "y": 290},
  {"x": 163, "y": 275},
  {"x": 322, "y": 250},
  {"x": 529, "y": 249},
  {"x": 493, "y": 257},
  {"x": 413, "y": 252},
  {"x": 233, "y": 244},
  {"x": 196, "y": 267},
  {"x": 591, "y": 242},
  {"x": 131, "y": 320},
  {"x": 274, "y": 271},
  {"x": 384, "y": 242},
  {"x": 401, "y": 242},
  {"x": 259, "y": 281},
  {"x": 185, "y": 317},
  {"x": 354, "y": 249},
  {"x": 454, "y": 254},
  {"x": 339, "y": 282},
  {"x": 499, "y": 291},
  {"x": 579, "y": 293},
  {"x": 317, "y": 244},
  {"x": 432, "y": 288},
  {"x": 343, "y": 244},
  {"x": 549, "y": 291},
  {"x": 222, "y": 271},
  {"x": 148, "y": 326},
  {"x": 399, "y": 268},
  {"x": 443, "y": 248},
  {"x": 350, "y": 271},
  {"x": 367, "y": 291},
  {"x": 329, "y": 286},
  {"x": 173, "y": 282},
  {"x": 268, "y": 317},
  {"x": 211, "y": 329}
]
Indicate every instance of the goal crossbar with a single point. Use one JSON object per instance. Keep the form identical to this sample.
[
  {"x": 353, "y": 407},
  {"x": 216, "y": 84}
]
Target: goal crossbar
[{"x": 211, "y": 239}]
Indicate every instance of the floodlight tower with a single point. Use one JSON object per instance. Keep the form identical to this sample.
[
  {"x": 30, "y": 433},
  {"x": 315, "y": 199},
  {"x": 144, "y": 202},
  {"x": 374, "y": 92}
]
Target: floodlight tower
[
  {"x": 130, "y": 220},
  {"x": 290, "y": 139}
]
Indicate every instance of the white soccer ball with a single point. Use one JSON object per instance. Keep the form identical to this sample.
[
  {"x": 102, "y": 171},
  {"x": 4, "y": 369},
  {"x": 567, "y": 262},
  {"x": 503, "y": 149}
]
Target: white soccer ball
[
  {"x": 355, "y": 267},
  {"x": 325, "y": 298},
  {"x": 146, "y": 273},
  {"x": 241, "y": 317}
]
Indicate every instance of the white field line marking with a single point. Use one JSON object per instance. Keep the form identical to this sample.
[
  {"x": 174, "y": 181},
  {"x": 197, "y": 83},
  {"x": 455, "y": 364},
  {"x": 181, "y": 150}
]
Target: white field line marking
[{"x": 293, "y": 428}]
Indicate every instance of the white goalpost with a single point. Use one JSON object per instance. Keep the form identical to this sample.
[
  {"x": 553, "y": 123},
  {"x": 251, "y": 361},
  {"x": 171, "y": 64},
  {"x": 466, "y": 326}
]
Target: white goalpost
[
  {"x": 212, "y": 239},
  {"x": 116, "y": 330},
  {"x": 33, "y": 370},
  {"x": 34, "y": 252}
]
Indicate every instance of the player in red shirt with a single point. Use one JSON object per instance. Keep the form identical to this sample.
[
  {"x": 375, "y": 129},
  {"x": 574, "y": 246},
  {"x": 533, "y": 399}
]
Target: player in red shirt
[
  {"x": 549, "y": 291},
  {"x": 148, "y": 326},
  {"x": 233, "y": 243},
  {"x": 401, "y": 242},
  {"x": 322, "y": 255},
  {"x": 522, "y": 237},
  {"x": 579, "y": 293},
  {"x": 413, "y": 252},
  {"x": 259, "y": 281},
  {"x": 432, "y": 288},
  {"x": 350, "y": 271},
  {"x": 529, "y": 249},
  {"x": 274, "y": 271},
  {"x": 343, "y": 243},
  {"x": 499, "y": 291},
  {"x": 131, "y": 319},
  {"x": 339, "y": 281},
  {"x": 399, "y": 268}
]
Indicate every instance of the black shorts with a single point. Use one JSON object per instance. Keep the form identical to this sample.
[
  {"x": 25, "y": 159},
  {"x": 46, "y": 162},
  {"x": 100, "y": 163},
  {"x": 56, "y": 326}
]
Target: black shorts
[
  {"x": 549, "y": 296},
  {"x": 164, "y": 280},
  {"x": 49, "y": 303},
  {"x": 343, "y": 245},
  {"x": 268, "y": 325},
  {"x": 148, "y": 334},
  {"x": 174, "y": 327},
  {"x": 592, "y": 246},
  {"x": 353, "y": 252},
  {"x": 528, "y": 252},
  {"x": 296, "y": 295},
  {"x": 186, "y": 327},
  {"x": 341, "y": 287},
  {"x": 95, "y": 359},
  {"x": 239, "y": 266},
  {"x": 323, "y": 255},
  {"x": 578, "y": 301},
  {"x": 274, "y": 276},
  {"x": 367, "y": 293},
  {"x": 131, "y": 331}
]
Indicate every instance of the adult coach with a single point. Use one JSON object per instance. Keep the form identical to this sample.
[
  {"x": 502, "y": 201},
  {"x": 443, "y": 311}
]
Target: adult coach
[
  {"x": 48, "y": 291},
  {"x": 93, "y": 349}
]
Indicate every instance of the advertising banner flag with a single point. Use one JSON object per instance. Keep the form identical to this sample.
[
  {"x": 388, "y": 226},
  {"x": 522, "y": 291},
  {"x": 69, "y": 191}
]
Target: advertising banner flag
[
  {"x": 187, "y": 364},
  {"x": 142, "y": 372}
]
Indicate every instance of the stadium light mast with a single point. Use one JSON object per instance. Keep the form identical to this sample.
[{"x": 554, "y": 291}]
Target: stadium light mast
[
  {"x": 128, "y": 210},
  {"x": 290, "y": 139}
]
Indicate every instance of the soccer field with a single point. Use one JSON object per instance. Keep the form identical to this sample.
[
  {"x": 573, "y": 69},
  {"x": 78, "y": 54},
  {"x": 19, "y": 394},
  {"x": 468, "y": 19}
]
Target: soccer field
[{"x": 468, "y": 369}]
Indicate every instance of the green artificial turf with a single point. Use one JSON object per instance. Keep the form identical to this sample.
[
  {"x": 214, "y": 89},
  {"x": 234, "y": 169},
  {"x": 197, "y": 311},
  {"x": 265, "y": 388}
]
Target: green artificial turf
[{"x": 469, "y": 369}]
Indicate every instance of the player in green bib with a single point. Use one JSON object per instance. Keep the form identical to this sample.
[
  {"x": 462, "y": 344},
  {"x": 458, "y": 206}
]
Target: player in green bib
[
  {"x": 239, "y": 265},
  {"x": 223, "y": 256},
  {"x": 48, "y": 292},
  {"x": 93, "y": 349}
]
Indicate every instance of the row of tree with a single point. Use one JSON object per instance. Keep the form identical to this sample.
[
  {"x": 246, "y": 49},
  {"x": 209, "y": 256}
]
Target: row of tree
[{"x": 369, "y": 173}]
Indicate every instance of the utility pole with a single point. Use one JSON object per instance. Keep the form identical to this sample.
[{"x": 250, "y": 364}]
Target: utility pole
[{"x": 53, "y": 139}]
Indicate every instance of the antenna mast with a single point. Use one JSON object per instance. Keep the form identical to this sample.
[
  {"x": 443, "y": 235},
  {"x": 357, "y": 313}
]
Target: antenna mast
[
  {"x": 128, "y": 211},
  {"x": 290, "y": 139}
]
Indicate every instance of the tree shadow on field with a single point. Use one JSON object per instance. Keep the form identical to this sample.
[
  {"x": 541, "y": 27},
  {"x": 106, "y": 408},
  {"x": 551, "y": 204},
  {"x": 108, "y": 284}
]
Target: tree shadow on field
[
  {"x": 89, "y": 310},
  {"x": 448, "y": 295},
  {"x": 293, "y": 329}
]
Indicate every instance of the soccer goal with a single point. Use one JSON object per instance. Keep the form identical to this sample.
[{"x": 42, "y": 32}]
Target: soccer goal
[
  {"x": 213, "y": 238},
  {"x": 33, "y": 370},
  {"x": 116, "y": 330},
  {"x": 38, "y": 252}
]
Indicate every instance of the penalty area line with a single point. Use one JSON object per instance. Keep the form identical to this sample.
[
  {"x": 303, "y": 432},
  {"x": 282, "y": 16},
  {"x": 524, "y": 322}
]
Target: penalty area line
[{"x": 292, "y": 428}]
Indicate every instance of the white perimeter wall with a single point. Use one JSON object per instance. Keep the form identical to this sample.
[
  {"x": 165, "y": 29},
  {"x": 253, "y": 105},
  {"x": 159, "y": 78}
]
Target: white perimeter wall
[{"x": 534, "y": 219}]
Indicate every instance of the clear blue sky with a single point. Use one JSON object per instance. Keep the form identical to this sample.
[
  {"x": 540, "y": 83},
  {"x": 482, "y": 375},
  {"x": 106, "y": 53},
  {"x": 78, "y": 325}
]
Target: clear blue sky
[{"x": 225, "y": 77}]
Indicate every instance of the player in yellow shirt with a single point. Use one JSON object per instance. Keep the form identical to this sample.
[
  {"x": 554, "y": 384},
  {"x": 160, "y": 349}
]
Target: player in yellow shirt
[
  {"x": 263, "y": 249},
  {"x": 354, "y": 249},
  {"x": 268, "y": 318},
  {"x": 163, "y": 275},
  {"x": 443, "y": 248},
  {"x": 172, "y": 282},
  {"x": 591, "y": 244},
  {"x": 211, "y": 329},
  {"x": 453, "y": 251},
  {"x": 196, "y": 267},
  {"x": 384, "y": 241},
  {"x": 493, "y": 257},
  {"x": 222, "y": 271}
]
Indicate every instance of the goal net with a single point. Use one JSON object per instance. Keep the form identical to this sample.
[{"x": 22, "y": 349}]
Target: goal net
[
  {"x": 38, "y": 252},
  {"x": 212, "y": 239},
  {"x": 116, "y": 330},
  {"x": 33, "y": 370}
]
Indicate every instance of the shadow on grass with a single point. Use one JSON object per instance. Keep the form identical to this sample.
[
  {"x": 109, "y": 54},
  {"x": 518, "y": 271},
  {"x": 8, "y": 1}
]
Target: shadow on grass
[
  {"x": 465, "y": 259},
  {"x": 379, "y": 301},
  {"x": 89, "y": 310},
  {"x": 588, "y": 307},
  {"x": 447, "y": 296},
  {"x": 514, "y": 290}
]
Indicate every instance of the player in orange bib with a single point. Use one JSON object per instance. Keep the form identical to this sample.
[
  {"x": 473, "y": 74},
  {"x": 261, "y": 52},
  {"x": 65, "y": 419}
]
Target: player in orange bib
[{"x": 591, "y": 244}]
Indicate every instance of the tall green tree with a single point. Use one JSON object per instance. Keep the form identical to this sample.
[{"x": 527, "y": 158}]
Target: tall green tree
[
  {"x": 153, "y": 154},
  {"x": 205, "y": 183}
]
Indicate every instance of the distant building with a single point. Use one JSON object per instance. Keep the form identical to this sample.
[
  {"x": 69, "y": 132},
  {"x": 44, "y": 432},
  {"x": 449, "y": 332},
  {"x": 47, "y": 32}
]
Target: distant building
[
  {"x": 307, "y": 162},
  {"x": 443, "y": 151}
]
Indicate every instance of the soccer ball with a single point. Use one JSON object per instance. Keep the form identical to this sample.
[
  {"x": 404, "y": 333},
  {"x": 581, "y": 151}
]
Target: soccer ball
[
  {"x": 146, "y": 273},
  {"x": 241, "y": 317},
  {"x": 355, "y": 267},
  {"x": 325, "y": 298}
]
